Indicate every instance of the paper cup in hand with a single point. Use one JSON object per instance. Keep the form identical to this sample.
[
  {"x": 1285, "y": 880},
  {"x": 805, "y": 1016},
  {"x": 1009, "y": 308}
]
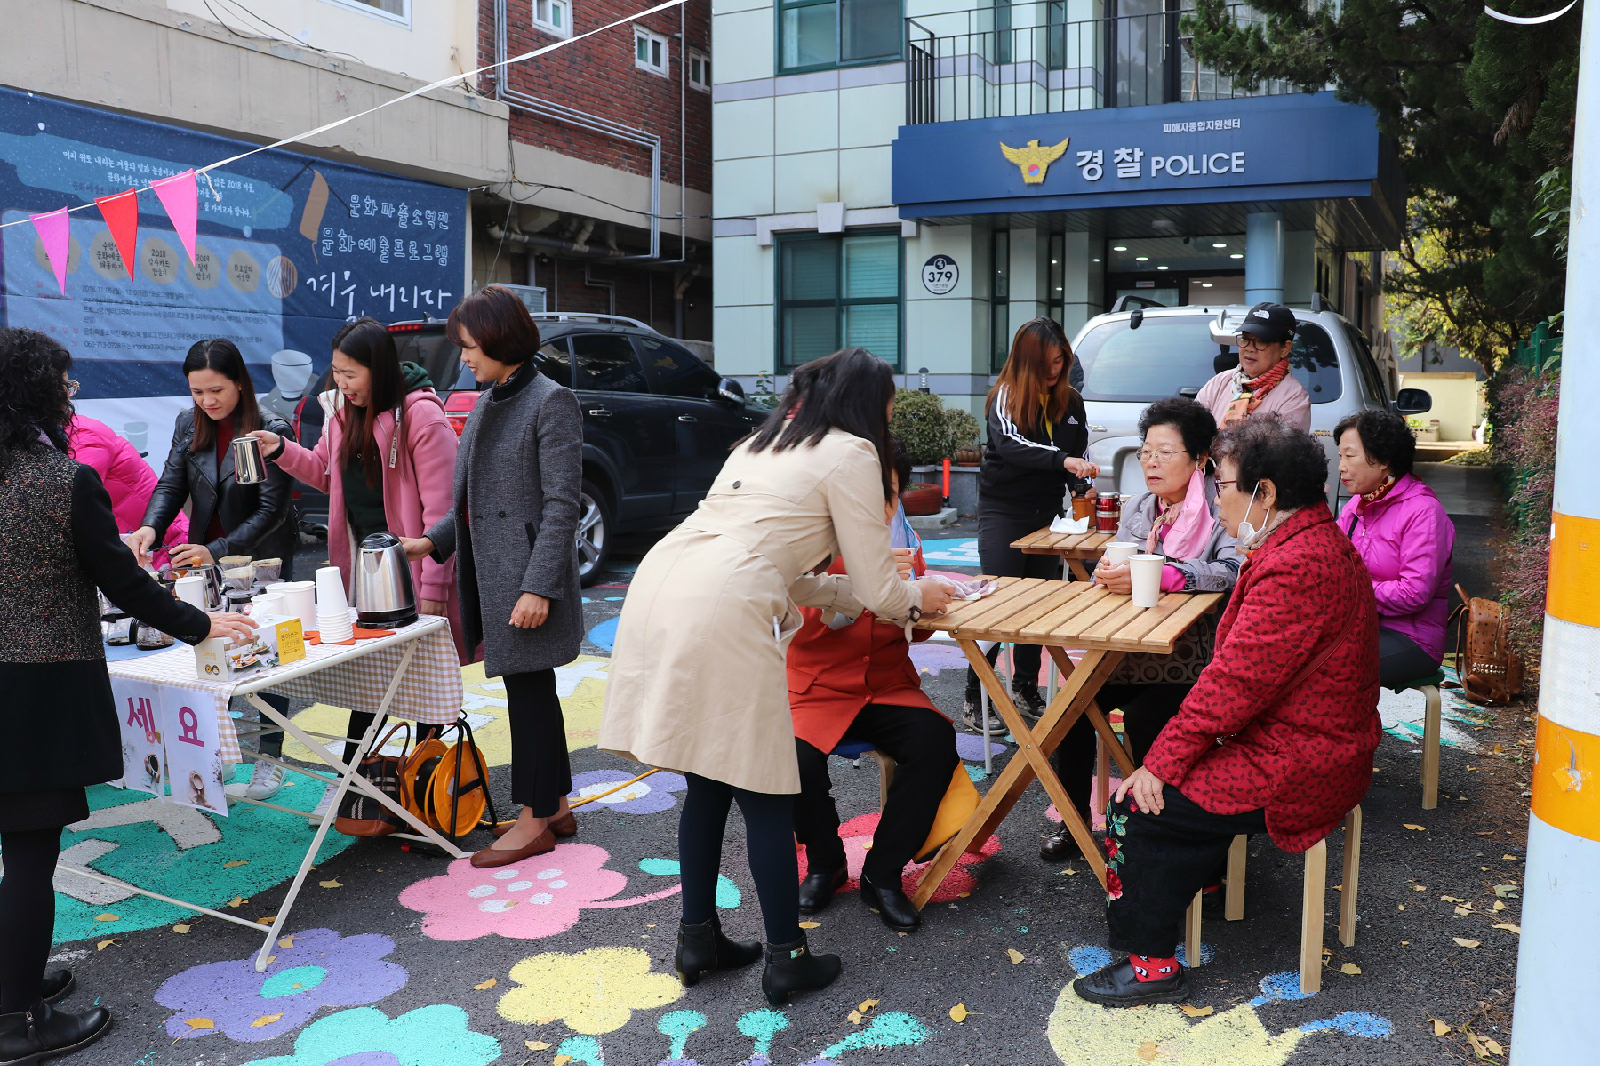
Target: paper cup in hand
[
  {"x": 1145, "y": 570},
  {"x": 1119, "y": 552}
]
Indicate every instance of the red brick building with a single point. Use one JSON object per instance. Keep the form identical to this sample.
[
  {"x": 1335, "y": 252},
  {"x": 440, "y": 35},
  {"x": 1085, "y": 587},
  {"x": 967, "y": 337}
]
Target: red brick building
[{"x": 609, "y": 203}]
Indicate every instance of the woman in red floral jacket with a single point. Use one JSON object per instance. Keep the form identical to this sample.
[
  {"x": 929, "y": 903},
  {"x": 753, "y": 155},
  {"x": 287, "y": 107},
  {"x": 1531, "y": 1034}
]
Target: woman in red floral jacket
[{"x": 1277, "y": 735}]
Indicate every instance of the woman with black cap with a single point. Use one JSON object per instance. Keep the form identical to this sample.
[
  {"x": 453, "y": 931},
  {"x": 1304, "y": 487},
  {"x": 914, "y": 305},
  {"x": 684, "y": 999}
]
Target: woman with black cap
[{"x": 1261, "y": 384}]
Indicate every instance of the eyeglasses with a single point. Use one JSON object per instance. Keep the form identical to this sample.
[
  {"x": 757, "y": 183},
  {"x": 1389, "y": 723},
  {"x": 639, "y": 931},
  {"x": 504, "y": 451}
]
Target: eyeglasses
[
  {"x": 72, "y": 389},
  {"x": 1250, "y": 343},
  {"x": 1160, "y": 458},
  {"x": 1235, "y": 481}
]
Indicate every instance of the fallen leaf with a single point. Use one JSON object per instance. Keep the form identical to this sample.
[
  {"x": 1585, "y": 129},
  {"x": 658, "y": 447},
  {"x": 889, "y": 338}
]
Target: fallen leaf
[
  {"x": 330, "y": 884},
  {"x": 1509, "y": 858},
  {"x": 1462, "y": 943},
  {"x": 199, "y": 1023},
  {"x": 266, "y": 1019},
  {"x": 536, "y": 1045},
  {"x": 958, "y": 1013},
  {"x": 1477, "y": 1045},
  {"x": 1493, "y": 1045},
  {"x": 866, "y": 1005},
  {"x": 855, "y": 1017},
  {"x": 1195, "y": 1012},
  {"x": 268, "y": 920},
  {"x": 1506, "y": 891},
  {"x": 1497, "y": 750},
  {"x": 1409, "y": 825},
  {"x": 105, "y": 944},
  {"x": 811, "y": 925},
  {"x": 1402, "y": 906},
  {"x": 286, "y": 943},
  {"x": 1350, "y": 968},
  {"x": 1405, "y": 943},
  {"x": 236, "y": 902},
  {"x": 1149, "y": 1050},
  {"x": 561, "y": 1060},
  {"x": 484, "y": 986},
  {"x": 235, "y": 862},
  {"x": 1508, "y": 927},
  {"x": 1015, "y": 955},
  {"x": 107, "y": 917},
  {"x": 1499, "y": 906},
  {"x": 1419, "y": 888},
  {"x": 1441, "y": 1029},
  {"x": 1463, "y": 911},
  {"x": 1452, "y": 899},
  {"x": 181, "y": 927}
]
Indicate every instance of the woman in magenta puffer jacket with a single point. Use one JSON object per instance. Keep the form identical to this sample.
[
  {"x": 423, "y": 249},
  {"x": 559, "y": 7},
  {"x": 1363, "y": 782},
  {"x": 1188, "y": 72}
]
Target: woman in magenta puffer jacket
[
  {"x": 1404, "y": 536},
  {"x": 127, "y": 477}
]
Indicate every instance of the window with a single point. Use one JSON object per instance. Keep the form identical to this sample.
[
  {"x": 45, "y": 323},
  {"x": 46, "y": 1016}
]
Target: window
[
  {"x": 607, "y": 363},
  {"x": 388, "y": 10},
  {"x": 649, "y": 51},
  {"x": 700, "y": 70},
  {"x": 672, "y": 371},
  {"x": 838, "y": 292},
  {"x": 553, "y": 16},
  {"x": 1000, "y": 299},
  {"x": 815, "y": 34}
]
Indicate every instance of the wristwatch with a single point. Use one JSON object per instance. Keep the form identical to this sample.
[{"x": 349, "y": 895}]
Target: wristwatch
[{"x": 915, "y": 614}]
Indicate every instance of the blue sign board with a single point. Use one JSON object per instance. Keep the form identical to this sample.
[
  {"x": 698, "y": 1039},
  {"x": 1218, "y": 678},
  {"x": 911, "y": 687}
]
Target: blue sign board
[{"x": 1292, "y": 147}]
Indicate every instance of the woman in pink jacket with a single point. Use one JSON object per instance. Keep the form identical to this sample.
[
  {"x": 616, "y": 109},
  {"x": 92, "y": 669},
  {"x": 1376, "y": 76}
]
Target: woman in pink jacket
[
  {"x": 377, "y": 479},
  {"x": 1403, "y": 535},
  {"x": 127, "y": 477}
]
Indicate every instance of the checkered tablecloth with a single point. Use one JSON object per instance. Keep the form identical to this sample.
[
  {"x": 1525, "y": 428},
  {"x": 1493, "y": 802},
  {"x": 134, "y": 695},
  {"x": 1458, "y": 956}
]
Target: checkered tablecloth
[{"x": 430, "y": 691}]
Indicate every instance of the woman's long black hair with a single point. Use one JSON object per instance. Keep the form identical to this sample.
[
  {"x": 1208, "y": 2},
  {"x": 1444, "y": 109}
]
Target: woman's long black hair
[
  {"x": 848, "y": 390},
  {"x": 222, "y": 355},
  {"x": 367, "y": 342},
  {"x": 33, "y": 393}
]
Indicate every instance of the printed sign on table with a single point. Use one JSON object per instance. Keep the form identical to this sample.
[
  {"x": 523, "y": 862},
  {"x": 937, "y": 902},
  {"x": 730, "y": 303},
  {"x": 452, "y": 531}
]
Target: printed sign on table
[
  {"x": 138, "y": 714},
  {"x": 194, "y": 750}
]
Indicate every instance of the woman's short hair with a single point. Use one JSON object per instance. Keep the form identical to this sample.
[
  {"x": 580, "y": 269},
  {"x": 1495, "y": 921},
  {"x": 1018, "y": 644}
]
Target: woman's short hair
[
  {"x": 1189, "y": 417},
  {"x": 33, "y": 391},
  {"x": 1264, "y": 447},
  {"x": 498, "y": 322},
  {"x": 1385, "y": 438},
  {"x": 900, "y": 462}
]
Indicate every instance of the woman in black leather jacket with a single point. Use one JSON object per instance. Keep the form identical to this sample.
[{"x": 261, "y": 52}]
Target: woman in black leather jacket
[{"x": 225, "y": 517}]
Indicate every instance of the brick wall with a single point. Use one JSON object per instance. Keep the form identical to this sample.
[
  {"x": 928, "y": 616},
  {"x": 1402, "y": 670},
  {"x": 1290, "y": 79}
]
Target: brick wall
[{"x": 597, "y": 75}]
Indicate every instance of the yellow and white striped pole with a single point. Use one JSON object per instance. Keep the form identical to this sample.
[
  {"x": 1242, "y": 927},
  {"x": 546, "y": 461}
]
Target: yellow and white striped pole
[{"x": 1557, "y": 1011}]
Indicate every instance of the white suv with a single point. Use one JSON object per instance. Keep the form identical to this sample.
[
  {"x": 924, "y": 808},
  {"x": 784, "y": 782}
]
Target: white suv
[{"x": 1133, "y": 357}]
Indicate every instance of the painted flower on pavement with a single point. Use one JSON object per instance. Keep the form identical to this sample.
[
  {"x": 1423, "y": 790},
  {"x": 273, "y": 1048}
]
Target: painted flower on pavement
[
  {"x": 649, "y": 796},
  {"x": 594, "y": 991},
  {"x": 429, "y": 1036},
  {"x": 857, "y": 837},
  {"x": 538, "y": 897},
  {"x": 319, "y": 969}
]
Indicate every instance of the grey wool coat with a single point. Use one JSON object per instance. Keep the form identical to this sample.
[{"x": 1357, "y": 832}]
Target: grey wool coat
[{"x": 513, "y": 522}]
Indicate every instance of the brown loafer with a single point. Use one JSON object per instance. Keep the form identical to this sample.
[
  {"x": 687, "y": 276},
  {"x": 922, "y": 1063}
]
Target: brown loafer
[
  {"x": 491, "y": 856},
  {"x": 564, "y": 826}
]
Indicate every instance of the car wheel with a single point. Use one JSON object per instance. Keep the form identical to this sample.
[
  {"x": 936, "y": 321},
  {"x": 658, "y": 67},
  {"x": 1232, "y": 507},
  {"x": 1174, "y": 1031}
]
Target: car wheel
[{"x": 594, "y": 532}]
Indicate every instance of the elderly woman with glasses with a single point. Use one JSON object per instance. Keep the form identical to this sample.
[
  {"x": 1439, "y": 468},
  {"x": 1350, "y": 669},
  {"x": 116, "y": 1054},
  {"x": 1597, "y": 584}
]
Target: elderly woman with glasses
[
  {"x": 1277, "y": 734},
  {"x": 1261, "y": 384},
  {"x": 1176, "y": 517}
]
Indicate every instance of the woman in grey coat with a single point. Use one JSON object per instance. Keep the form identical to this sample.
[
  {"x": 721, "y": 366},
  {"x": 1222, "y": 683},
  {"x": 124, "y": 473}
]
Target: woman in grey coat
[
  {"x": 1175, "y": 517},
  {"x": 512, "y": 529}
]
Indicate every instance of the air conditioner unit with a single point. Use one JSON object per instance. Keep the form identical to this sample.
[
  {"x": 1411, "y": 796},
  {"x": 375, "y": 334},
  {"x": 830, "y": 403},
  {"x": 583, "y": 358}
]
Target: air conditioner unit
[{"x": 532, "y": 296}]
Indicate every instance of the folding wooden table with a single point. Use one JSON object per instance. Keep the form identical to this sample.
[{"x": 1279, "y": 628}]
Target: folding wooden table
[
  {"x": 1075, "y": 549},
  {"x": 1057, "y": 615}
]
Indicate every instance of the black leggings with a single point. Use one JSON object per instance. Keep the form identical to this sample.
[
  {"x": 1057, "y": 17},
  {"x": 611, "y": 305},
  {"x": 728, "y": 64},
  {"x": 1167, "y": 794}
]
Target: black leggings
[
  {"x": 769, "y": 833},
  {"x": 27, "y": 913},
  {"x": 1400, "y": 660},
  {"x": 997, "y": 528}
]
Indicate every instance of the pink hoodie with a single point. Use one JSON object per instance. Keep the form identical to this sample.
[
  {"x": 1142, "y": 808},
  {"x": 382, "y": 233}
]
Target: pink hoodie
[
  {"x": 1406, "y": 540},
  {"x": 417, "y": 490},
  {"x": 126, "y": 476}
]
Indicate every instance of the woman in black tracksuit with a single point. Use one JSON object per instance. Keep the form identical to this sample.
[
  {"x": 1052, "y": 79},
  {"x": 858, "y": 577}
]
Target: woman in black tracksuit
[{"x": 1037, "y": 439}]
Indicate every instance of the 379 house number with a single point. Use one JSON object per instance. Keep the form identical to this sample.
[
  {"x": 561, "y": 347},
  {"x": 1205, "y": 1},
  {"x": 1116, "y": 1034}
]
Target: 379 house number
[{"x": 940, "y": 274}]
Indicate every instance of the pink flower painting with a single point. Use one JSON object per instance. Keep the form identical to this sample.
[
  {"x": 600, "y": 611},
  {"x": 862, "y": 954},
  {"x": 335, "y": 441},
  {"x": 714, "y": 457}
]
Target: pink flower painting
[{"x": 857, "y": 837}]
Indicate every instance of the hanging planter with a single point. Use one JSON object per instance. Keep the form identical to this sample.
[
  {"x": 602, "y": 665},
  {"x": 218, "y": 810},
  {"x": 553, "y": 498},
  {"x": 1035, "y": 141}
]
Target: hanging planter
[{"x": 922, "y": 499}]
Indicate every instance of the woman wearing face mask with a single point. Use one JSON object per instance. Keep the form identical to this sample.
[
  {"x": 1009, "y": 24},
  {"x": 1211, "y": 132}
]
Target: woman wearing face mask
[
  {"x": 1176, "y": 517},
  {"x": 1277, "y": 734},
  {"x": 225, "y": 517},
  {"x": 385, "y": 461}
]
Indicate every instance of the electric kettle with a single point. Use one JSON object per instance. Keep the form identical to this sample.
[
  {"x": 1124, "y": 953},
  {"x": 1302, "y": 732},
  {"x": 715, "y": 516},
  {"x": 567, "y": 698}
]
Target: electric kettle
[{"x": 384, "y": 596}]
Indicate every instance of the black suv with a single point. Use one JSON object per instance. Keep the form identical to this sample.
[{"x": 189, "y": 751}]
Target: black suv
[{"x": 657, "y": 421}]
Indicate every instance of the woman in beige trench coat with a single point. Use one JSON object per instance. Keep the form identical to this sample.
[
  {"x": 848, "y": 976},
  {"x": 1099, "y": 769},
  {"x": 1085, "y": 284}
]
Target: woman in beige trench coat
[{"x": 698, "y": 680}]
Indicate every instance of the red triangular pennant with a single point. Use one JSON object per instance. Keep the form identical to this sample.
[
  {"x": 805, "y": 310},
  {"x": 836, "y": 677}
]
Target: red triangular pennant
[{"x": 121, "y": 213}]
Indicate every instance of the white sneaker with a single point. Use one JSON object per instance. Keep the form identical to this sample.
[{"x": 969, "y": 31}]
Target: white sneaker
[
  {"x": 326, "y": 801},
  {"x": 263, "y": 784}
]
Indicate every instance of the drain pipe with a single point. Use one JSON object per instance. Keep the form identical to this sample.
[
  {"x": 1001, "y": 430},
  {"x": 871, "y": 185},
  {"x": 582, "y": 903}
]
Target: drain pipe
[
  {"x": 609, "y": 286},
  {"x": 583, "y": 120}
]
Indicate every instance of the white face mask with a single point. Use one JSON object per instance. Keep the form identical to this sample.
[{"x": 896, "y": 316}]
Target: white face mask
[{"x": 1248, "y": 533}]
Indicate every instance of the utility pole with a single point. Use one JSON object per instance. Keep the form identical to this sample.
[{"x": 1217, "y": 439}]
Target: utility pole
[{"x": 1557, "y": 1012}]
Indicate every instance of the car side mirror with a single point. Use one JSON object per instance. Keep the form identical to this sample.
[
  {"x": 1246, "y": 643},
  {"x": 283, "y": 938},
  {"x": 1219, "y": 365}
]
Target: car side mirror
[
  {"x": 1413, "y": 402},
  {"x": 733, "y": 392}
]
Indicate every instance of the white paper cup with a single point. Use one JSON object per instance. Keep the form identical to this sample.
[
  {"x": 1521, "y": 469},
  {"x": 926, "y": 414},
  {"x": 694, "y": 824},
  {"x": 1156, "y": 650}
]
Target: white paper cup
[
  {"x": 191, "y": 589},
  {"x": 331, "y": 597},
  {"x": 299, "y": 601},
  {"x": 1146, "y": 573},
  {"x": 1119, "y": 551}
]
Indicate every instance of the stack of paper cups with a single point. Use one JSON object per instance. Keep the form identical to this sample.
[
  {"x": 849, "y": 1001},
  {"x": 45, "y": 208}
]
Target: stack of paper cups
[
  {"x": 299, "y": 601},
  {"x": 333, "y": 607}
]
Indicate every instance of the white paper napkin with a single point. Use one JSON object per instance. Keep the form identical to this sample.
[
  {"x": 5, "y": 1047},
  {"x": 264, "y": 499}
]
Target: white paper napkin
[{"x": 1063, "y": 524}]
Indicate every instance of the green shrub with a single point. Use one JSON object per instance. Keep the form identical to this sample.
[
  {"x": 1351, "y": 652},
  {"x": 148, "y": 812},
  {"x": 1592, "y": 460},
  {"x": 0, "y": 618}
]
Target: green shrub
[{"x": 929, "y": 430}]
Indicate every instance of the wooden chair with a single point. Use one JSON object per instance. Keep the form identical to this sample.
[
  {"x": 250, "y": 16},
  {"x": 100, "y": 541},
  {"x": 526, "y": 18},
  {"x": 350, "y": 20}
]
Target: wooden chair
[
  {"x": 1429, "y": 687},
  {"x": 1312, "y": 897},
  {"x": 855, "y": 749}
]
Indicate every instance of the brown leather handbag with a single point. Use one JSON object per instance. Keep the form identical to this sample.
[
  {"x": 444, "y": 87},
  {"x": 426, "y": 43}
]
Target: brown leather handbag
[{"x": 1490, "y": 671}]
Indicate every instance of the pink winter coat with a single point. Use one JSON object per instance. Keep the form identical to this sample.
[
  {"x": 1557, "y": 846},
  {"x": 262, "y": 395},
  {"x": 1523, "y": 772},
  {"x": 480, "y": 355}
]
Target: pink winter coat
[
  {"x": 127, "y": 477},
  {"x": 1406, "y": 540},
  {"x": 416, "y": 489}
]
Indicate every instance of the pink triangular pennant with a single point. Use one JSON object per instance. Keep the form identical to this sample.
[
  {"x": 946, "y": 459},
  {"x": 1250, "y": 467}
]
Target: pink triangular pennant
[
  {"x": 177, "y": 194},
  {"x": 121, "y": 213},
  {"x": 55, "y": 234}
]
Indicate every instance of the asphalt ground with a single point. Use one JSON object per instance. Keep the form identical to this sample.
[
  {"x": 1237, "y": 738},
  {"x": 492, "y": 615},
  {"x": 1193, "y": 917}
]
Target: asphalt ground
[{"x": 401, "y": 959}]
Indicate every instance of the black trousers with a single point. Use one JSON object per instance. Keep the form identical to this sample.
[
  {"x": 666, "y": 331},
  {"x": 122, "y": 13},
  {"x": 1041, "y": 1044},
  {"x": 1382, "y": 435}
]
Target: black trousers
[
  {"x": 1146, "y": 710},
  {"x": 998, "y": 526},
  {"x": 1157, "y": 862},
  {"x": 769, "y": 835},
  {"x": 923, "y": 745},
  {"x": 540, "y": 771},
  {"x": 1400, "y": 660},
  {"x": 27, "y": 913}
]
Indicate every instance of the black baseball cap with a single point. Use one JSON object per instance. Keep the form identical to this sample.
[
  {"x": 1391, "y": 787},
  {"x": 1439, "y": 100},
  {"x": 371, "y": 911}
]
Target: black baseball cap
[{"x": 1269, "y": 321}]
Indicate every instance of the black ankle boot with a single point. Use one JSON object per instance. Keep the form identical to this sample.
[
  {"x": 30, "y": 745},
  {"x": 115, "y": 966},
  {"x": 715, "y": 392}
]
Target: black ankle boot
[
  {"x": 792, "y": 968},
  {"x": 702, "y": 949},
  {"x": 43, "y": 1031},
  {"x": 58, "y": 984}
]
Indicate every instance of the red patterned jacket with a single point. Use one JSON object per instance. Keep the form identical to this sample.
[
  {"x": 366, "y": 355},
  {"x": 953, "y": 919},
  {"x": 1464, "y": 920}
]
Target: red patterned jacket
[{"x": 1243, "y": 740}]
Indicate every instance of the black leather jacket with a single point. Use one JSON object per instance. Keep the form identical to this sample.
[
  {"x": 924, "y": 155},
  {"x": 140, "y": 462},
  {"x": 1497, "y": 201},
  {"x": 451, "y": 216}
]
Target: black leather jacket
[{"x": 257, "y": 520}]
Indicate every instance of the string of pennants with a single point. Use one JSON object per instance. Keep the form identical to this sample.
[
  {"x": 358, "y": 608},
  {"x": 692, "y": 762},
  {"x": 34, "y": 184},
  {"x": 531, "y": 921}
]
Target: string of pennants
[{"x": 179, "y": 196}]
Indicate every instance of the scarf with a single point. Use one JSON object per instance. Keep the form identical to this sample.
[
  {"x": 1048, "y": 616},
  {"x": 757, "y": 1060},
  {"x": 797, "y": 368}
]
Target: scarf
[
  {"x": 1249, "y": 394},
  {"x": 1378, "y": 493},
  {"x": 1188, "y": 524}
]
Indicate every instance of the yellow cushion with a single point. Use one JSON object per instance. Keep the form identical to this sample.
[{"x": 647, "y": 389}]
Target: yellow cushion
[{"x": 959, "y": 803}]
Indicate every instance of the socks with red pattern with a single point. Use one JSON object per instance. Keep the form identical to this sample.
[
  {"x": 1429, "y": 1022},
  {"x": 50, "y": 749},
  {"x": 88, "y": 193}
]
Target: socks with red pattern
[{"x": 1154, "y": 967}]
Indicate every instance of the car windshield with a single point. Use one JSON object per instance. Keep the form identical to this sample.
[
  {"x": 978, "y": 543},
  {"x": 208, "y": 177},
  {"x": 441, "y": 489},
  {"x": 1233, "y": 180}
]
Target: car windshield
[
  {"x": 431, "y": 349},
  {"x": 1171, "y": 355}
]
